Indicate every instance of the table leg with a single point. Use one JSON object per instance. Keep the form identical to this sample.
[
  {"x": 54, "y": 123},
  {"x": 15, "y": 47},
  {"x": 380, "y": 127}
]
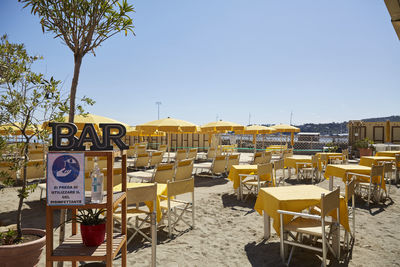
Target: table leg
[
  {"x": 267, "y": 226},
  {"x": 330, "y": 183}
]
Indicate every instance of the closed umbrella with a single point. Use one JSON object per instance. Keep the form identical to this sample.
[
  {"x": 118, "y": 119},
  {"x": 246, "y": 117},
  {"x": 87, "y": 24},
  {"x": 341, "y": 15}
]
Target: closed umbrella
[{"x": 168, "y": 125}]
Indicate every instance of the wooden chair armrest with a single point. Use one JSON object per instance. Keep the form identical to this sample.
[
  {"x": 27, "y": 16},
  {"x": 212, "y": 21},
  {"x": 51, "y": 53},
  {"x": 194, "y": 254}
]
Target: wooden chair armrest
[
  {"x": 357, "y": 174},
  {"x": 305, "y": 215}
]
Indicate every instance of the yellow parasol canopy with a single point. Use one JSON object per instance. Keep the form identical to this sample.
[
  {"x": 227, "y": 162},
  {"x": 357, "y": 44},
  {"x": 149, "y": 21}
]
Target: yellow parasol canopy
[
  {"x": 132, "y": 131},
  {"x": 8, "y": 129},
  {"x": 284, "y": 128},
  {"x": 257, "y": 129},
  {"x": 169, "y": 125},
  {"x": 221, "y": 126}
]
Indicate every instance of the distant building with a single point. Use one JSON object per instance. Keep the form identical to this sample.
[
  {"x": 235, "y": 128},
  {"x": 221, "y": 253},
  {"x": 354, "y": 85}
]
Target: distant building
[
  {"x": 379, "y": 132},
  {"x": 308, "y": 137}
]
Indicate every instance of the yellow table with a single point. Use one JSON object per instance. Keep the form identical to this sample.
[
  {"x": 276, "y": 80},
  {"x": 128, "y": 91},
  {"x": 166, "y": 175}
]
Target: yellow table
[
  {"x": 290, "y": 162},
  {"x": 329, "y": 155},
  {"x": 341, "y": 170},
  {"x": 161, "y": 190},
  {"x": 293, "y": 198},
  {"x": 240, "y": 169},
  {"x": 374, "y": 160},
  {"x": 387, "y": 153}
]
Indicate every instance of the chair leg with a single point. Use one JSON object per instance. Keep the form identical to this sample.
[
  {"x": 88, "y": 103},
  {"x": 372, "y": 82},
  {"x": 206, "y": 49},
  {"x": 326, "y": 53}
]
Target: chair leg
[{"x": 153, "y": 238}]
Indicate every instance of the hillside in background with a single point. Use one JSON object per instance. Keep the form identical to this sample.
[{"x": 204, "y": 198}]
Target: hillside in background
[{"x": 335, "y": 128}]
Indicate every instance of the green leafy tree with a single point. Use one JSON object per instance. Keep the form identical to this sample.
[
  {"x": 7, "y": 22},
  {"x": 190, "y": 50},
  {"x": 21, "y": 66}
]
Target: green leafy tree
[
  {"x": 82, "y": 25},
  {"x": 27, "y": 99}
]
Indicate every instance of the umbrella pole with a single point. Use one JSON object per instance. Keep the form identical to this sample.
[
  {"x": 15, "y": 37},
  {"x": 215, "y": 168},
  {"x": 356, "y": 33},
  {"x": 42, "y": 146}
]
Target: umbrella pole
[
  {"x": 168, "y": 144},
  {"x": 255, "y": 142}
]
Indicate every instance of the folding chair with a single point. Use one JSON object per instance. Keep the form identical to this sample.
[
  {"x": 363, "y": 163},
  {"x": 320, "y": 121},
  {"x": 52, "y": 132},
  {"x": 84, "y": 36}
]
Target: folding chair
[
  {"x": 396, "y": 168},
  {"x": 162, "y": 147},
  {"x": 307, "y": 170},
  {"x": 211, "y": 153},
  {"x": 131, "y": 152},
  {"x": 192, "y": 153},
  {"x": 388, "y": 173},
  {"x": 279, "y": 165},
  {"x": 217, "y": 168},
  {"x": 267, "y": 156},
  {"x": 350, "y": 194},
  {"x": 171, "y": 206},
  {"x": 264, "y": 177},
  {"x": 156, "y": 158},
  {"x": 314, "y": 225},
  {"x": 141, "y": 162},
  {"x": 372, "y": 187},
  {"x": 232, "y": 160},
  {"x": 257, "y": 158},
  {"x": 134, "y": 215},
  {"x": 163, "y": 173},
  {"x": 184, "y": 169},
  {"x": 180, "y": 155}
]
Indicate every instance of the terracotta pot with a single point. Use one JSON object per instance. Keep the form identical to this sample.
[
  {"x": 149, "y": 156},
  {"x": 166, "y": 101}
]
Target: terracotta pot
[
  {"x": 25, "y": 254},
  {"x": 93, "y": 235},
  {"x": 365, "y": 152}
]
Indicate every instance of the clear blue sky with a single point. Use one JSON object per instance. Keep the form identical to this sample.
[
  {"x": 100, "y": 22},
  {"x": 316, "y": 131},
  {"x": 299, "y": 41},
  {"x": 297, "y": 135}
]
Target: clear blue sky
[{"x": 324, "y": 60}]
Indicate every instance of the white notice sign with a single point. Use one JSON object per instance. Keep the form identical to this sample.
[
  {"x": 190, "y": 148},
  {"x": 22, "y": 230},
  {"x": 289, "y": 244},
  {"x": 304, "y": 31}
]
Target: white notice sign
[{"x": 65, "y": 179}]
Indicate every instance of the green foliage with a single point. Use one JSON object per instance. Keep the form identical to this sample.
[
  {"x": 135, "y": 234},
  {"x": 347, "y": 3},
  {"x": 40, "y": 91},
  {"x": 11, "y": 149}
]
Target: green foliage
[
  {"x": 90, "y": 217},
  {"x": 8, "y": 238},
  {"x": 363, "y": 143},
  {"x": 83, "y": 24},
  {"x": 27, "y": 99},
  {"x": 332, "y": 147}
]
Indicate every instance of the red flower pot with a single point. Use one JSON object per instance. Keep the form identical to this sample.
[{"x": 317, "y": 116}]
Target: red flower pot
[{"x": 93, "y": 235}]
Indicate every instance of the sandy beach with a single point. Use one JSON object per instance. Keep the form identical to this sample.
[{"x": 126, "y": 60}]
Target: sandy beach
[{"x": 229, "y": 232}]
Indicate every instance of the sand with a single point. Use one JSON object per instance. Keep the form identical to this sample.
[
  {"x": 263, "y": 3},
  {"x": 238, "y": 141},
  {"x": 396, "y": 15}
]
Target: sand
[{"x": 229, "y": 232}]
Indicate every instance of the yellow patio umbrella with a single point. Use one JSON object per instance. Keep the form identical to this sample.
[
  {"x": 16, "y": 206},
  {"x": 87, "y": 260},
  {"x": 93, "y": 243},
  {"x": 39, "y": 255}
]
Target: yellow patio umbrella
[
  {"x": 9, "y": 129},
  {"x": 285, "y": 128},
  {"x": 217, "y": 127},
  {"x": 387, "y": 131},
  {"x": 168, "y": 125},
  {"x": 256, "y": 129}
]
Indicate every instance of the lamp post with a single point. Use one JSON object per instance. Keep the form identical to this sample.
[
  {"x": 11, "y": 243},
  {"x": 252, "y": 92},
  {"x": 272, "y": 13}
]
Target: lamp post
[{"x": 158, "y": 103}]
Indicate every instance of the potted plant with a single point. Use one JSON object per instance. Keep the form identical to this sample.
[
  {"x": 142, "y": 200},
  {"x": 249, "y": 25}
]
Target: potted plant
[
  {"x": 92, "y": 225},
  {"x": 364, "y": 146},
  {"x": 26, "y": 100}
]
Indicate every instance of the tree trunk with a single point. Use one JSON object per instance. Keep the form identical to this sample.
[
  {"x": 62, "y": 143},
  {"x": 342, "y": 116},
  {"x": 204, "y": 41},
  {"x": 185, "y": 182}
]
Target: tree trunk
[
  {"x": 21, "y": 193},
  {"x": 74, "y": 86}
]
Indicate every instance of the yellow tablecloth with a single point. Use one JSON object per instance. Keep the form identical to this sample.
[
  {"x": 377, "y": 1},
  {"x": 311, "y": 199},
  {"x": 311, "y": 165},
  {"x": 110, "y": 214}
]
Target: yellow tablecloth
[
  {"x": 161, "y": 190},
  {"x": 340, "y": 170},
  {"x": 244, "y": 169},
  {"x": 240, "y": 169},
  {"x": 374, "y": 160},
  {"x": 329, "y": 154},
  {"x": 290, "y": 162},
  {"x": 294, "y": 198},
  {"x": 387, "y": 153}
]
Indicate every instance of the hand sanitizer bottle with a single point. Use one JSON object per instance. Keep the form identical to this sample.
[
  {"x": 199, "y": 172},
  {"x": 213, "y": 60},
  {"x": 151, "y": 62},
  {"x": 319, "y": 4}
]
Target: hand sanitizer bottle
[{"x": 97, "y": 183}]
